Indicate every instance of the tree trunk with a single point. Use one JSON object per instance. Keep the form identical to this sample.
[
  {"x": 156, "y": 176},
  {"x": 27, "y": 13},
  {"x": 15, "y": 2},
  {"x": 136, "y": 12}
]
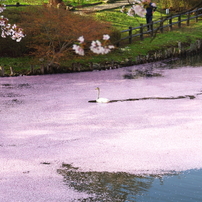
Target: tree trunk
[{"x": 55, "y": 2}]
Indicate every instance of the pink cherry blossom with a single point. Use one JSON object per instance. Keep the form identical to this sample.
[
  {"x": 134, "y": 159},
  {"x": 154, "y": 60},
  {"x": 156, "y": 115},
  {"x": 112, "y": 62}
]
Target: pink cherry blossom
[
  {"x": 3, "y": 34},
  {"x": 18, "y": 34},
  {"x": 78, "y": 49},
  {"x": 106, "y": 37},
  {"x": 139, "y": 10},
  {"x": 10, "y": 30},
  {"x": 131, "y": 12},
  {"x": 2, "y": 8},
  {"x": 81, "y": 39},
  {"x": 96, "y": 46},
  {"x": 136, "y": 9}
]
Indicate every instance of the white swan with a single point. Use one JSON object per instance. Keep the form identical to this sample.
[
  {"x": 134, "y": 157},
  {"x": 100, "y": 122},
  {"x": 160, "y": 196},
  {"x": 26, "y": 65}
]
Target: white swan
[{"x": 101, "y": 100}]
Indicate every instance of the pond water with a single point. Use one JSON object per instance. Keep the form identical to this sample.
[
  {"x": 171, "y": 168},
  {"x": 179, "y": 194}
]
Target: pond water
[{"x": 144, "y": 145}]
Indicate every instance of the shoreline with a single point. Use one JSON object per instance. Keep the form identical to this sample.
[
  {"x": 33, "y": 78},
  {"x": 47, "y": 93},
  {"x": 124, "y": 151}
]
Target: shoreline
[{"x": 179, "y": 51}]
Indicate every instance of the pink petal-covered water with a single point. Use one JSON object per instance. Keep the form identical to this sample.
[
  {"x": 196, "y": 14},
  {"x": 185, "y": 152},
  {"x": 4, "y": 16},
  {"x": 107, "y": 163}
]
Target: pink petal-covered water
[{"x": 47, "y": 120}]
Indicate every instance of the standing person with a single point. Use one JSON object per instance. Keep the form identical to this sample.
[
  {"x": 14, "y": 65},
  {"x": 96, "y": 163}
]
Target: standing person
[{"x": 150, "y": 9}]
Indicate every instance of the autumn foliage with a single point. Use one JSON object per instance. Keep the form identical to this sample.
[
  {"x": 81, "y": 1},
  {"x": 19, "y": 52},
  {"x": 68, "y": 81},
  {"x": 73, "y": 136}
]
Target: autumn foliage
[{"x": 51, "y": 33}]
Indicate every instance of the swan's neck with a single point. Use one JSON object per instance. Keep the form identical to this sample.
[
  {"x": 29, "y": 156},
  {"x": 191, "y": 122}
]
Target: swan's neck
[{"x": 98, "y": 93}]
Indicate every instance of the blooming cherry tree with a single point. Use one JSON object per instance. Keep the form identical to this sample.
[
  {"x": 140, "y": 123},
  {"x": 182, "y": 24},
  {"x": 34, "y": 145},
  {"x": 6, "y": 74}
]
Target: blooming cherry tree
[
  {"x": 136, "y": 9},
  {"x": 96, "y": 46},
  {"x": 139, "y": 10},
  {"x": 106, "y": 37},
  {"x": 16, "y": 33},
  {"x": 2, "y": 8},
  {"x": 79, "y": 49}
]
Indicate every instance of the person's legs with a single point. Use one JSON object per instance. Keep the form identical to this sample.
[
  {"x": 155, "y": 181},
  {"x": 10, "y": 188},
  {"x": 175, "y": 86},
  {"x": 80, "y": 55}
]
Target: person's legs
[{"x": 148, "y": 19}]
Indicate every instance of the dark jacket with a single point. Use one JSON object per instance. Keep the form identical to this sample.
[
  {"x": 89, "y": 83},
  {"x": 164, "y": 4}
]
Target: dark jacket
[{"x": 150, "y": 9}]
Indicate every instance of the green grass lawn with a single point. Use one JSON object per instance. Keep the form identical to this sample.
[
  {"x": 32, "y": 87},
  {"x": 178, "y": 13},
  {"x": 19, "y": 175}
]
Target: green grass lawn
[
  {"x": 41, "y": 2},
  {"x": 24, "y": 2},
  {"x": 122, "y": 21}
]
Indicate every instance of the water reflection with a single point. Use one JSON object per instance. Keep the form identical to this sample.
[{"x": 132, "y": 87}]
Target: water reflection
[
  {"x": 194, "y": 61},
  {"x": 125, "y": 187},
  {"x": 108, "y": 186},
  {"x": 15, "y": 86},
  {"x": 146, "y": 73},
  {"x": 153, "y": 69}
]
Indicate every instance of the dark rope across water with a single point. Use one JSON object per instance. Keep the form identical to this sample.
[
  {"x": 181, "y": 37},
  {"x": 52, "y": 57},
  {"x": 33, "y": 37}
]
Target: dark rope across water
[{"x": 152, "y": 98}]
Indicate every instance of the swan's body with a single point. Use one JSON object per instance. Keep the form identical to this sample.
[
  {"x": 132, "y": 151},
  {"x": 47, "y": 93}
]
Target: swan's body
[{"x": 101, "y": 100}]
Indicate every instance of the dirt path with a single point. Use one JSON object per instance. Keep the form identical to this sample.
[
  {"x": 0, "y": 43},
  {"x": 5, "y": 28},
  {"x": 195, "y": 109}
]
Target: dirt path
[{"x": 104, "y": 6}]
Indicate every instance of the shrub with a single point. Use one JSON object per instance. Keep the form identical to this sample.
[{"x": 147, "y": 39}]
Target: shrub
[
  {"x": 11, "y": 48},
  {"x": 50, "y": 33}
]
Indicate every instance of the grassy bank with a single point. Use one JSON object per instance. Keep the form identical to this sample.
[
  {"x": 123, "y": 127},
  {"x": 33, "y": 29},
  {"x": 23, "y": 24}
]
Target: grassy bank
[{"x": 186, "y": 35}]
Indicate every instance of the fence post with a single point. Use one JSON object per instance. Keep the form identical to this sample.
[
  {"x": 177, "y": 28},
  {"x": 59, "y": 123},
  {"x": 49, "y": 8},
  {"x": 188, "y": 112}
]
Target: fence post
[
  {"x": 141, "y": 32},
  {"x": 197, "y": 15},
  {"x": 170, "y": 24},
  {"x": 188, "y": 19},
  {"x": 180, "y": 47},
  {"x": 32, "y": 69},
  {"x": 42, "y": 69},
  {"x": 179, "y": 21},
  {"x": 2, "y": 70},
  {"x": 161, "y": 26},
  {"x": 11, "y": 69},
  {"x": 130, "y": 35},
  {"x": 151, "y": 27},
  {"x": 198, "y": 44}
]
